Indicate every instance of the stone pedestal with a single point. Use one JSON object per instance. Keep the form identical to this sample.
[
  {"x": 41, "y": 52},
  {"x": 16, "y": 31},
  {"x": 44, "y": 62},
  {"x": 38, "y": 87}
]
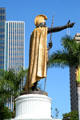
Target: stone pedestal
[{"x": 33, "y": 107}]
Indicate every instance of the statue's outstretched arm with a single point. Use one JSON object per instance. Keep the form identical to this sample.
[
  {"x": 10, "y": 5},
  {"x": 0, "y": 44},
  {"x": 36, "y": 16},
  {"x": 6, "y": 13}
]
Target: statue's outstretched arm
[{"x": 57, "y": 29}]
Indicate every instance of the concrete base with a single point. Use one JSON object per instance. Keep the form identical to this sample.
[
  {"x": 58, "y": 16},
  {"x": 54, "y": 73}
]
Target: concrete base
[{"x": 33, "y": 107}]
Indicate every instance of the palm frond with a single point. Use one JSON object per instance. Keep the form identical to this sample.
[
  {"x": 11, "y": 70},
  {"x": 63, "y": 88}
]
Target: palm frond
[
  {"x": 69, "y": 56},
  {"x": 59, "y": 58},
  {"x": 69, "y": 44}
]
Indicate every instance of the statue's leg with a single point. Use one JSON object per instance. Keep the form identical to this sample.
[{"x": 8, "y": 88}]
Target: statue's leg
[{"x": 34, "y": 87}]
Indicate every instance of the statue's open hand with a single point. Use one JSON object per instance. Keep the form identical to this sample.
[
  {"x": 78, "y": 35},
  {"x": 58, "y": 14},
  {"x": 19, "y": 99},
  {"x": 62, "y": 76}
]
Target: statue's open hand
[{"x": 70, "y": 25}]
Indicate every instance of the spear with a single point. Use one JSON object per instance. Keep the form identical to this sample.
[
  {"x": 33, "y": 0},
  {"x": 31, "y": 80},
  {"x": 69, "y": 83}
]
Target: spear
[
  {"x": 49, "y": 47},
  {"x": 50, "y": 42}
]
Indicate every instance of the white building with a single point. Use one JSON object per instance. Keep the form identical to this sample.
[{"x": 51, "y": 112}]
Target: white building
[{"x": 14, "y": 45}]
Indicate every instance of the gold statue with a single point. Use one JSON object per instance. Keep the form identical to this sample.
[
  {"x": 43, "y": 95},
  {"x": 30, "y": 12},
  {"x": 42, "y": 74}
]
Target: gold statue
[{"x": 38, "y": 56}]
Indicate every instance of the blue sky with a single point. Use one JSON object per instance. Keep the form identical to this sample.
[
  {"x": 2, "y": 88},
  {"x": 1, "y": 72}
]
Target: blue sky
[{"x": 58, "y": 86}]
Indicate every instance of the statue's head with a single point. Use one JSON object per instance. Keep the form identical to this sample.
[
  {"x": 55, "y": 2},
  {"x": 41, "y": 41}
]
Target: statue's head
[{"x": 40, "y": 19}]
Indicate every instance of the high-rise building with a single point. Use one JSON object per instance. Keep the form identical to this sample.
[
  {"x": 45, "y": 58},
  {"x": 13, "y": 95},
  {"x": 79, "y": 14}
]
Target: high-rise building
[
  {"x": 2, "y": 36},
  {"x": 14, "y": 49},
  {"x": 14, "y": 45}
]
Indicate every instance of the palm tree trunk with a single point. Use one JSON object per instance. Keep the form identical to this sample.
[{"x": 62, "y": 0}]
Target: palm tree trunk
[{"x": 73, "y": 89}]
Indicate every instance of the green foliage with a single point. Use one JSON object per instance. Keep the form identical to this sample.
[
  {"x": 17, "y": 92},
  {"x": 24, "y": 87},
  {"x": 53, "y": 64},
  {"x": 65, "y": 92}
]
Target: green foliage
[
  {"x": 68, "y": 56},
  {"x": 71, "y": 116},
  {"x": 9, "y": 86},
  {"x": 5, "y": 113}
]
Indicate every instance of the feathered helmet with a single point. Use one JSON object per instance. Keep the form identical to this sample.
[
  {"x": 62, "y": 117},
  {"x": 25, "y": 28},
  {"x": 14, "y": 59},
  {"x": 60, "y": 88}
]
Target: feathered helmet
[{"x": 40, "y": 19}]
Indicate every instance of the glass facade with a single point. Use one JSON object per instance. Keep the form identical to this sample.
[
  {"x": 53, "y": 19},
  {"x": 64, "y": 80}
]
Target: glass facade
[
  {"x": 2, "y": 36},
  {"x": 14, "y": 45}
]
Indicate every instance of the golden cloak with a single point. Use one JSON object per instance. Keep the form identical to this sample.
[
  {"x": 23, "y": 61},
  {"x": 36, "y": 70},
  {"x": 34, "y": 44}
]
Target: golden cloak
[{"x": 37, "y": 56}]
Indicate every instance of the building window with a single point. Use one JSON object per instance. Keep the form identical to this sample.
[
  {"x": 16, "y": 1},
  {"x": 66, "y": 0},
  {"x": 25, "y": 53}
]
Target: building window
[
  {"x": 2, "y": 17},
  {"x": 2, "y": 11}
]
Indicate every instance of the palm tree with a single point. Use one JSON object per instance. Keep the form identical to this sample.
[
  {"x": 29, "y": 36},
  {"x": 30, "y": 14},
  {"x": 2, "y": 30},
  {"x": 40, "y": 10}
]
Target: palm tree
[
  {"x": 10, "y": 86},
  {"x": 6, "y": 88},
  {"x": 69, "y": 56}
]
